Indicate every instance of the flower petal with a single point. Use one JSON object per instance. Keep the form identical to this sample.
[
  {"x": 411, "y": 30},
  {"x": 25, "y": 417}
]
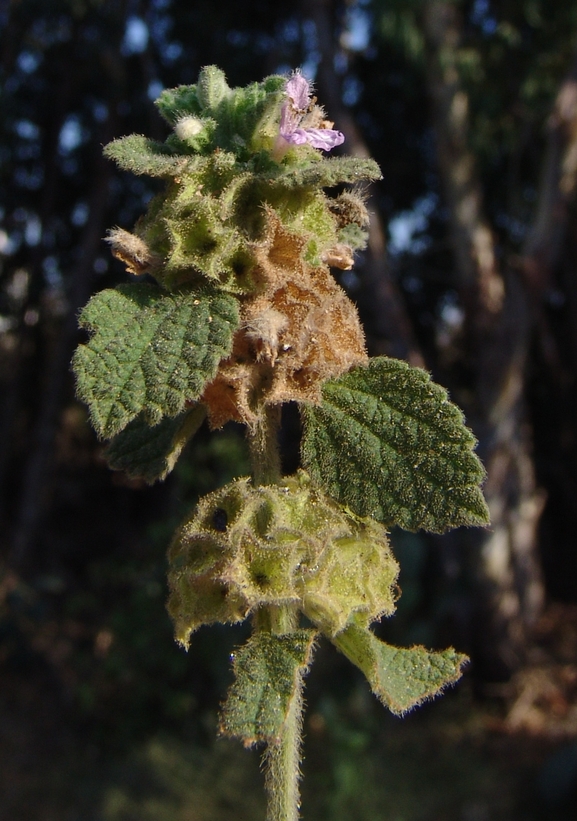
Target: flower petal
[
  {"x": 325, "y": 138},
  {"x": 289, "y": 120},
  {"x": 298, "y": 89},
  {"x": 297, "y": 137}
]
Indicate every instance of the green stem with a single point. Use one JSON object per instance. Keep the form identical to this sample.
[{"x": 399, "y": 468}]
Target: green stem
[
  {"x": 282, "y": 760},
  {"x": 277, "y": 619},
  {"x": 264, "y": 450}
]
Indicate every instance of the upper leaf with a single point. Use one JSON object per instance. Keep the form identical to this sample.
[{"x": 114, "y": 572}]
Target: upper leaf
[
  {"x": 151, "y": 352},
  {"x": 212, "y": 88},
  {"x": 144, "y": 156},
  {"x": 388, "y": 442},
  {"x": 178, "y": 102},
  {"x": 151, "y": 452},
  {"x": 329, "y": 172},
  {"x": 401, "y": 677},
  {"x": 245, "y": 119},
  {"x": 268, "y": 676}
]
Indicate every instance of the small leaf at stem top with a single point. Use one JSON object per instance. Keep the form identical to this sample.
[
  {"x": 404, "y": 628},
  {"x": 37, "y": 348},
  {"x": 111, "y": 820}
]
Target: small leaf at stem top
[{"x": 142, "y": 155}]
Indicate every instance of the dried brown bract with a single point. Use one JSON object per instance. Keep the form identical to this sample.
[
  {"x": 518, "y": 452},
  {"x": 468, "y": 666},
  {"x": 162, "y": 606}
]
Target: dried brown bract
[
  {"x": 132, "y": 251},
  {"x": 339, "y": 256},
  {"x": 299, "y": 331},
  {"x": 349, "y": 207}
]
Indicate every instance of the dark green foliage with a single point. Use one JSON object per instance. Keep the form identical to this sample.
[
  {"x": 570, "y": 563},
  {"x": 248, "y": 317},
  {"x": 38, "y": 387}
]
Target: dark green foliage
[
  {"x": 388, "y": 442},
  {"x": 401, "y": 677},
  {"x": 151, "y": 352},
  {"x": 151, "y": 452},
  {"x": 175, "y": 103},
  {"x": 268, "y": 671},
  {"x": 244, "y": 210}
]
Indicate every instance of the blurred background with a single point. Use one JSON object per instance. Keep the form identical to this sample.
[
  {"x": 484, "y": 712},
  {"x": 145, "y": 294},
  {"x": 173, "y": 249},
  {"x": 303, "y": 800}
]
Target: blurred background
[{"x": 470, "y": 107}]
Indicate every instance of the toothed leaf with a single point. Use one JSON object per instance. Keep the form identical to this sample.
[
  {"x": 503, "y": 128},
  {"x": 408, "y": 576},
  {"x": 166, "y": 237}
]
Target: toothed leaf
[
  {"x": 332, "y": 171},
  {"x": 151, "y": 452},
  {"x": 387, "y": 442},
  {"x": 143, "y": 156},
  {"x": 401, "y": 677},
  {"x": 268, "y": 676},
  {"x": 150, "y": 351}
]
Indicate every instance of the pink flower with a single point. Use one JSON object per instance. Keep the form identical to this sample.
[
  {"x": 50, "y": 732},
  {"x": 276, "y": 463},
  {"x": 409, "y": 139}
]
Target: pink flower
[{"x": 301, "y": 121}]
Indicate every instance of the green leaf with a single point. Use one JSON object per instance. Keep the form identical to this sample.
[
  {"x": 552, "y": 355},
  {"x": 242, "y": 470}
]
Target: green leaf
[
  {"x": 332, "y": 171},
  {"x": 151, "y": 351},
  {"x": 143, "y": 156},
  {"x": 152, "y": 452},
  {"x": 178, "y": 102},
  {"x": 401, "y": 677},
  {"x": 388, "y": 443},
  {"x": 212, "y": 88},
  {"x": 254, "y": 107},
  {"x": 268, "y": 676}
]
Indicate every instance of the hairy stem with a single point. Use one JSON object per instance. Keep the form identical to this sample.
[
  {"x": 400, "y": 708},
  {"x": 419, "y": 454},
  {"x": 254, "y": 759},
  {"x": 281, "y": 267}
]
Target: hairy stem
[
  {"x": 264, "y": 450},
  {"x": 276, "y": 619},
  {"x": 282, "y": 762},
  {"x": 282, "y": 759}
]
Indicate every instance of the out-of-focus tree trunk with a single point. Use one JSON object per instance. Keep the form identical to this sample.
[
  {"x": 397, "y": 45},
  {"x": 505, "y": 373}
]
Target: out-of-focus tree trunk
[
  {"x": 38, "y": 469},
  {"x": 502, "y": 308},
  {"x": 39, "y": 466},
  {"x": 381, "y": 303}
]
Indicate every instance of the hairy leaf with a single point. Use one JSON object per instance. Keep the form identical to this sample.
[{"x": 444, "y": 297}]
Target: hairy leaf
[
  {"x": 144, "y": 156},
  {"x": 152, "y": 452},
  {"x": 388, "y": 442},
  {"x": 212, "y": 88},
  {"x": 268, "y": 676},
  {"x": 332, "y": 171},
  {"x": 150, "y": 351},
  {"x": 178, "y": 102},
  {"x": 401, "y": 677},
  {"x": 242, "y": 117}
]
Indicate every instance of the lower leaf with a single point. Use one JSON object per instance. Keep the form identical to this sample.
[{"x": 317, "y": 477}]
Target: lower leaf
[
  {"x": 151, "y": 452},
  {"x": 269, "y": 670},
  {"x": 401, "y": 677}
]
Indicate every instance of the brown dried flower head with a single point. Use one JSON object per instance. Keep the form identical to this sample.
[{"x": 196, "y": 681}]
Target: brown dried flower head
[{"x": 299, "y": 331}]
